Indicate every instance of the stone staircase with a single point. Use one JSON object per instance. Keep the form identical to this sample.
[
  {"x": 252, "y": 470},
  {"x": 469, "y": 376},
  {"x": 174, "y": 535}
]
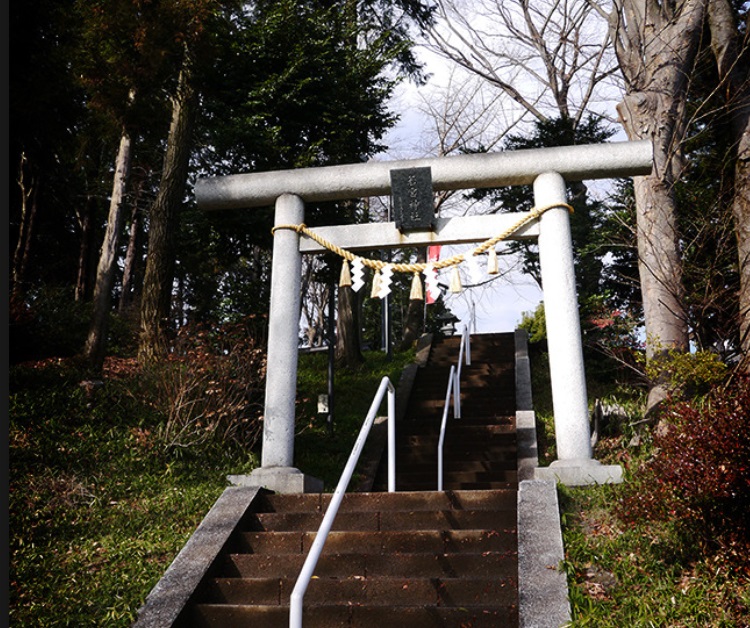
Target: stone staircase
[
  {"x": 409, "y": 559},
  {"x": 480, "y": 448},
  {"x": 415, "y": 558}
]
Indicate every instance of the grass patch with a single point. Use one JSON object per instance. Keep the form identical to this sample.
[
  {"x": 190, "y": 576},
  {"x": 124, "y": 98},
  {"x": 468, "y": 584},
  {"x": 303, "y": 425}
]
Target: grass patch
[
  {"x": 323, "y": 454},
  {"x": 642, "y": 575}
]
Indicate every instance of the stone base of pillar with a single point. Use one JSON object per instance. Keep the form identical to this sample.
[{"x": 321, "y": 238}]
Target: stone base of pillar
[
  {"x": 279, "y": 480},
  {"x": 583, "y": 472}
]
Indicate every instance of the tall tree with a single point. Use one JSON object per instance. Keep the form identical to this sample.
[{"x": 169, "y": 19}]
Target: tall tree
[
  {"x": 164, "y": 218},
  {"x": 298, "y": 84},
  {"x": 197, "y": 26},
  {"x": 553, "y": 64},
  {"x": 656, "y": 44},
  {"x": 348, "y": 349},
  {"x": 27, "y": 187},
  {"x": 316, "y": 288},
  {"x": 121, "y": 55},
  {"x": 585, "y": 221},
  {"x": 132, "y": 262},
  {"x": 731, "y": 46},
  {"x": 47, "y": 118},
  {"x": 105, "y": 273}
]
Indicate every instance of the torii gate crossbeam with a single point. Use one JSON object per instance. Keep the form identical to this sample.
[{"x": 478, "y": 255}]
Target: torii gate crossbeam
[
  {"x": 547, "y": 169},
  {"x": 455, "y": 172}
]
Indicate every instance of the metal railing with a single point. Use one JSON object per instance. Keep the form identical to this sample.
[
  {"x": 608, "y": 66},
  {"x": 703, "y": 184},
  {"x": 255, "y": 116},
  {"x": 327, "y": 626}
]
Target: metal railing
[
  {"x": 303, "y": 580},
  {"x": 441, "y": 440},
  {"x": 454, "y": 387},
  {"x": 464, "y": 351}
]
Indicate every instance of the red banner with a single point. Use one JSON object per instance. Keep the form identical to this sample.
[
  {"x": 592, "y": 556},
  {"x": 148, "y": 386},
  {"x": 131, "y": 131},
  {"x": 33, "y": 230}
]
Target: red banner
[{"x": 433, "y": 255}]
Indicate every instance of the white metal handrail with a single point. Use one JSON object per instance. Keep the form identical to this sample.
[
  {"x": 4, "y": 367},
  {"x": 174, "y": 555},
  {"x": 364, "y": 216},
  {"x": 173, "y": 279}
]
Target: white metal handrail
[
  {"x": 443, "y": 423},
  {"x": 464, "y": 351},
  {"x": 303, "y": 580},
  {"x": 454, "y": 386}
]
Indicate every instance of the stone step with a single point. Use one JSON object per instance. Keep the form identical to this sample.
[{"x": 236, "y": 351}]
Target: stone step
[
  {"x": 457, "y": 435},
  {"x": 407, "y": 429},
  {"x": 433, "y": 384},
  {"x": 436, "y": 387},
  {"x": 462, "y": 478},
  {"x": 378, "y": 501},
  {"x": 394, "y": 520},
  {"x": 414, "y": 467},
  {"x": 479, "y": 358},
  {"x": 475, "y": 374},
  {"x": 455, "y": 455},
  {"x": 484, "y": 411},
  {"x": 467, "y": 419},
  {"x": 484, "y": 375},
  {"x": 330, "y": 616},
  {"x": 459, "y": 447},
  {"x": 395, "y": 541},
  {"x": 454, "y": 565},
  {"x": 489, "y": 417},
  {"x": 375, "y": 591},
  {"x": 479, "y": 426},
  {"x": 448, "y": 484}
]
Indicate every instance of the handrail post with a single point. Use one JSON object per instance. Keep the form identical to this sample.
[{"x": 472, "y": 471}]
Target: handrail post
[
  {"x": 454, "y": 387},
  {"x": 457, "y": 394},
  {"x": 464, "y": 355},
  {"x": 391, "y": 439}
]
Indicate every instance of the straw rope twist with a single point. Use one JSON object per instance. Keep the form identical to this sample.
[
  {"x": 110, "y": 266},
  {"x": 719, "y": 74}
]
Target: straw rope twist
[{"x": 374, "y": 264}]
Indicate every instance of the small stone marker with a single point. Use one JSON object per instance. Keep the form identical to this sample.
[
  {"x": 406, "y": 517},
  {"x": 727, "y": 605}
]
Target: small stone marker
[{"x": 413, "y": 205}]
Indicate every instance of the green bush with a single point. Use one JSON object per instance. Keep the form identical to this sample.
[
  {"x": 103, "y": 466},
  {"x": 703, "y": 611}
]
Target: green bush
[
  {"x": 686, "y": 374},
  {"x": 535, "y": 324}
]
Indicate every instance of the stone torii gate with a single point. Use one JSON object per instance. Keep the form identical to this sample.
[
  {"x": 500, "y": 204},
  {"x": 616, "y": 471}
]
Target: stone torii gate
[{"x": 547, "y": 169}]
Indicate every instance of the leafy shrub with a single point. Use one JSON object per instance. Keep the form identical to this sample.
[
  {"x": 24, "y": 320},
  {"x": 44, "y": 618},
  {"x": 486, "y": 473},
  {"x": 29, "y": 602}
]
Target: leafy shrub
[
  {"x": 211, "y": 387},
  {"x": 687, "y": 374},
  {"x": 699, "y": 474}
]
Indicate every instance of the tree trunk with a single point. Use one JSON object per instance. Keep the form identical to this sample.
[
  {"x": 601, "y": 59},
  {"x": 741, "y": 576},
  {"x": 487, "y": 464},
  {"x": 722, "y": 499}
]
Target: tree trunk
[
  {"x": 86, "y": 225},
  {"x": 348, "y": 351},
  {"x": 414, "y": 323},
  {"x": 660, "y": 267},
  {"x": 97, "y": 337},
  {"x": 164, "y": 223},
  {"x": 732, "y": 60},
  {"x": 25, "y": 230},
  {"x": 656, "y": 45},
  {"x": 132, "y": 254},
  {"x": 741, "y": 212}
]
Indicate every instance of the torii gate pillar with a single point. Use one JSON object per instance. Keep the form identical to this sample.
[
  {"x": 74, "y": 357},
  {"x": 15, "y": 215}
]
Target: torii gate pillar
[
  {"x": 574, "y": 464},
  {"x": 277, "y": 470}
]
